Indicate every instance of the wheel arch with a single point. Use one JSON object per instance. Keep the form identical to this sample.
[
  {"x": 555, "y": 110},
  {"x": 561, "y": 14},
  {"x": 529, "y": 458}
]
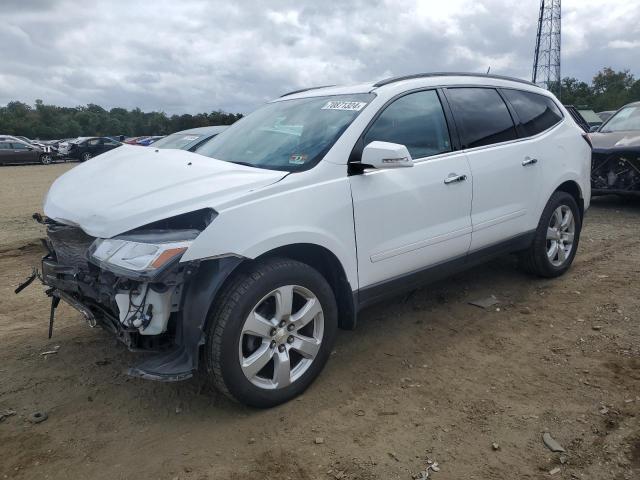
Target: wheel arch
[
  {"x": 327, "y": 263},
  {"x": 573, "y": 188}
]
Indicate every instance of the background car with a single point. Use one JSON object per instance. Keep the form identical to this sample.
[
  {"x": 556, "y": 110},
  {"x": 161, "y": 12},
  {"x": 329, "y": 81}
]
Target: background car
[
  {"x": 84, "y": 148},
  {"x": 191, "y": 139},
  {"x": 145, "y": 142},
  {"x": 615, "y": 164},
  {"x": 14, "y": 151},
  {"x": 590, "y": 117},
  {"x": 606, "y": 115}
]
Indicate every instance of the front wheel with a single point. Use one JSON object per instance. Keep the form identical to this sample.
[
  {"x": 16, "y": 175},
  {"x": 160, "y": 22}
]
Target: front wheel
[
  {"x": 271, "y": 332},
  {"x": 556, "y": 240},
  {"x": 85, "y": 156},
  {"x": 45, "y": 159}
]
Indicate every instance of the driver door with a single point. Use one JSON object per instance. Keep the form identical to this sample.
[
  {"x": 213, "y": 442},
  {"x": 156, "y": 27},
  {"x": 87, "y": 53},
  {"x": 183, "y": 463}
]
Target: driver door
[{"x": 410, "y": 219}]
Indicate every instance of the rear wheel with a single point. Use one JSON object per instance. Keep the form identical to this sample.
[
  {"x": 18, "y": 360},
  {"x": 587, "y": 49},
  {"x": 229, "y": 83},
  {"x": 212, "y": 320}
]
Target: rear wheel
[
  {"x": 556, "y": 241},
  {"x": 271, "y": 332}
]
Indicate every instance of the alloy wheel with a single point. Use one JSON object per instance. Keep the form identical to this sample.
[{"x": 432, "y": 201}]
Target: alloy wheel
[
  {"x": 560, "y": 235},
  {"x": 281, "y": 337},
  {"x": 46, "y": 159}
]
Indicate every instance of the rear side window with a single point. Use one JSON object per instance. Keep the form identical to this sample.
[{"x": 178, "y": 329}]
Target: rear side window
[
  {"x": 415, "y": 121},
  {"x": 481, "y": 116},
  {"x": 5, "y": 146},
  {"x": 536, "y": 113}
]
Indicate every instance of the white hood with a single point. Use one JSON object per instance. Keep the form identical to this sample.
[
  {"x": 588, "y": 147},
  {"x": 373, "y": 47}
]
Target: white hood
[{"x": 132, "y": 186}]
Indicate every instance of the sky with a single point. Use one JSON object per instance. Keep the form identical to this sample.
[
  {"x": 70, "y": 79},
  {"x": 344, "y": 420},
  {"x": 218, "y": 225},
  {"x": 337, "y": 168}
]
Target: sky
[{"x": 189, "y": 56}]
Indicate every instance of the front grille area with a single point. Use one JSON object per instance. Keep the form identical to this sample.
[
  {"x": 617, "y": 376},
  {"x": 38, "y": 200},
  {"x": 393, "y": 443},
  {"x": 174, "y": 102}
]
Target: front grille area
[{"x": 70, "y": 245}]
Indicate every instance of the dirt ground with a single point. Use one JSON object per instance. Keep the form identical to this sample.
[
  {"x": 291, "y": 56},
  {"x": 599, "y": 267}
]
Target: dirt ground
[{"x": 425, "y": 377}]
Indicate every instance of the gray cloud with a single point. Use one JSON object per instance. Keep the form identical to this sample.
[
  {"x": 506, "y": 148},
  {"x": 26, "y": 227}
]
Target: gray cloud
[{"x": 199, "y": 55}]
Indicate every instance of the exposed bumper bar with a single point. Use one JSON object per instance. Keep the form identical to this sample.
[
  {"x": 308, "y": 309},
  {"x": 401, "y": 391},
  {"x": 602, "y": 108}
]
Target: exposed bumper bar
[{"x": 86, "y": 313}]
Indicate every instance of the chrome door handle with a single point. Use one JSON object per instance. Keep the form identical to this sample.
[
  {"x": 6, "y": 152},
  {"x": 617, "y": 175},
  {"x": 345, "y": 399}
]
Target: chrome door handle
[
  {"x": 529, "y": 161},
  {"x": 453, "y": 178}
]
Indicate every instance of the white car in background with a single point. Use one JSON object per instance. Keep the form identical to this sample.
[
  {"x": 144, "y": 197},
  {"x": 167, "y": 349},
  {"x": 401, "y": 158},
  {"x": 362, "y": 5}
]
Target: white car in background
[{"x": 246, "y": 258}]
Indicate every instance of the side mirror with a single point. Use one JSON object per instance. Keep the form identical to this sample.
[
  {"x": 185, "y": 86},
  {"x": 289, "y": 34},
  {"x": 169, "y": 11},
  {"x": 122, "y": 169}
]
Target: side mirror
[
  {"x": 594, "y": 128},
  {"x": 385, "y": 155}
]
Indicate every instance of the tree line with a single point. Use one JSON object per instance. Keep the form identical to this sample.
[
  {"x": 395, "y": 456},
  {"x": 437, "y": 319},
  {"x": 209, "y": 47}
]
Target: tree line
[
  {"x": 609, "y": 90},
  {"x": 46, "y": 122}
]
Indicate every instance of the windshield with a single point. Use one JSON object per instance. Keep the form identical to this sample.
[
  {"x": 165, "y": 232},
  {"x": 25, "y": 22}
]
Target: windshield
[
  {"x": 289, "y": 135},
  {"x": 181, "y": 141},
  {"x": 626, "y": 119}
]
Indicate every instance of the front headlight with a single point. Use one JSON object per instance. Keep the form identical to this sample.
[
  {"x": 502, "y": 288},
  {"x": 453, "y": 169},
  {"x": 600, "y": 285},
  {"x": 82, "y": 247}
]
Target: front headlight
[{"x": 144, "y": 253}]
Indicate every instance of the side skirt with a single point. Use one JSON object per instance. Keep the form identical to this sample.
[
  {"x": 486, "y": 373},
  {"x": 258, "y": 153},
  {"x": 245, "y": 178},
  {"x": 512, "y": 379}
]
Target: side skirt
[{"x": 418, "y": 278}]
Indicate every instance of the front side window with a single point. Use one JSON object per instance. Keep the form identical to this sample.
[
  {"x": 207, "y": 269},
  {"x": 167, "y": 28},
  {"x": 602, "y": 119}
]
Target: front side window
[
  {"x": 627, "y": 119},
  {"x": 481, "y": 116},
  {"x": 19, "y": 146},
  {"x": 416, "y": 121},
  {"x": 94, "y": 142},
  {"x": 290, "y": 135},
  {"x": 536, "y": 113}
]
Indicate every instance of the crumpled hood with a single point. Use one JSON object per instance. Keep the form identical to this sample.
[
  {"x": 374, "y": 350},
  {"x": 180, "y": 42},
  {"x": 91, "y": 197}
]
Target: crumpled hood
[
  {"x": 607, "y": 141},
  {"x": 132, "y": 186}
]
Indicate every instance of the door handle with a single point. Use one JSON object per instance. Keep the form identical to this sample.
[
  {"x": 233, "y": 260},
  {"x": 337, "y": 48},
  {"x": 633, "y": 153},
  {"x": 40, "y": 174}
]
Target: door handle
[
  {"x": 529, "y": 161},
  {"x": 454, "y": 178}
]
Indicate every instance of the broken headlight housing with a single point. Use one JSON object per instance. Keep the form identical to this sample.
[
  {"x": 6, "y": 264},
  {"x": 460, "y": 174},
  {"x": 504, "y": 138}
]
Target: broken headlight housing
[{"x": 141, "y": 255}]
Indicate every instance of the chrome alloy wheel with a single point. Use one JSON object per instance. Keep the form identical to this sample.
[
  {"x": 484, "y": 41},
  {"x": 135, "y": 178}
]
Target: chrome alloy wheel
[
  {"x": 560, "y": 234},
  {"x": 281, "y": 337}
]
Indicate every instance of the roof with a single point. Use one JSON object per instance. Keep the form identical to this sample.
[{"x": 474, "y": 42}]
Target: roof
[
  {"x": 204, "y": 130},
  {"x": 419, "y": 79}
]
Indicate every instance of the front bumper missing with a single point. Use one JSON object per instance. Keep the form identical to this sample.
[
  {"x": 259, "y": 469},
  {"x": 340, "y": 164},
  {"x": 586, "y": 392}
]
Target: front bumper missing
[{"x": 177, "y": 359}]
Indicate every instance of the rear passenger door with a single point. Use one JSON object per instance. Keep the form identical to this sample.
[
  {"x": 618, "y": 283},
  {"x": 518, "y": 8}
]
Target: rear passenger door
[
  {"x": 505, "y": 173},
  {"x": 408, "y": 219}
]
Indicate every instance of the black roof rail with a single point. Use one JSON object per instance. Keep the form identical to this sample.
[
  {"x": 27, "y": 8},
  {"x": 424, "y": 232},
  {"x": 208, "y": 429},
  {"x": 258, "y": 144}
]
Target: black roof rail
[
  {"x": 387, "y": 81},
  {"x": 305, "y": 90}
]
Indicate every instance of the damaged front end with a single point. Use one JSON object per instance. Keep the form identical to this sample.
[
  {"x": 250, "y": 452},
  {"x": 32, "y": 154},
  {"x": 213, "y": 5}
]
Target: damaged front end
[
  {"x": 616, "y": 171},
  {"x": 135, "y": 286}
]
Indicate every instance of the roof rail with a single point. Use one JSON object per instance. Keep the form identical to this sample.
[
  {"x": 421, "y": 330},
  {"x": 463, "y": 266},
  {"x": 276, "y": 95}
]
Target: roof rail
[
  {"x": 387, "y": 81},
  {"x": 305, "y": 90}
]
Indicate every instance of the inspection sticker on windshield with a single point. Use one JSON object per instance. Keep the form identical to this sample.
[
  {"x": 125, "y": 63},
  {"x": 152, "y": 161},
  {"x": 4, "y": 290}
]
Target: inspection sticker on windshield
[
  {"x": 340, "y": 105},
  {"x": 297, "y": 159}
]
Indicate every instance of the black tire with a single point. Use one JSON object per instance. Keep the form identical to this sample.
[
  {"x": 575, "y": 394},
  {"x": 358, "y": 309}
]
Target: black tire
[
  {"x": 85, "y": 156},
  {"x": 227, "y": 317},
  {"x": 46, "y": 159},
  {"x": 535, "y": 259}
]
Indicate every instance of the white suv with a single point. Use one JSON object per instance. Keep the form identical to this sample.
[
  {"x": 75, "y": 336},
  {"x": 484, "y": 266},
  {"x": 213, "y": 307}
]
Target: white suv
[{"x": 244, "y": 259}]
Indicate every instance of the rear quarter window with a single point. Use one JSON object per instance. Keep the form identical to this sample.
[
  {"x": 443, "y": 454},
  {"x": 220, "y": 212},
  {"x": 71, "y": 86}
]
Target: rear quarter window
[
  {"x": 536, "y": 113},
  {"x": 481, "y": 116}
]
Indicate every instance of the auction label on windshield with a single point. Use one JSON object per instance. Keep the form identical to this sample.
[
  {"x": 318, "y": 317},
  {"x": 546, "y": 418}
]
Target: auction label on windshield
[{"x": 340, "y": 105}]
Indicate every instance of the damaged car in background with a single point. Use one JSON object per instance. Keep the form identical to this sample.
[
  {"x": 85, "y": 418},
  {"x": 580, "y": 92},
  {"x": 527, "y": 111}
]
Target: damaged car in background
[
  {"x": 242, "y": 260},
  {"x": 616, "y": 154}
]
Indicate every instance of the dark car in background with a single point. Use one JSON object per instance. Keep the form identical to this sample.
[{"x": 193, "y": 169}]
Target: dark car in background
[
  {"x": 84, "y": 148},
  {"x": 615, "y": 166},
  {"x": 15, "y": 151},
  {"x": 191, "y": 139}
]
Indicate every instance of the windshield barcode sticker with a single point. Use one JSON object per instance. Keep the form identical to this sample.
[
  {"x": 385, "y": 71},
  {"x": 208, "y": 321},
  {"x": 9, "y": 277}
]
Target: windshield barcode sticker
[{"x": 339, "y": 105}]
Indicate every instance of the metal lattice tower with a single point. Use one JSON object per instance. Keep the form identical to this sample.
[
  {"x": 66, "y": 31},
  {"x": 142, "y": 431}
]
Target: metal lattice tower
[{"x": 546, "y": 60}]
